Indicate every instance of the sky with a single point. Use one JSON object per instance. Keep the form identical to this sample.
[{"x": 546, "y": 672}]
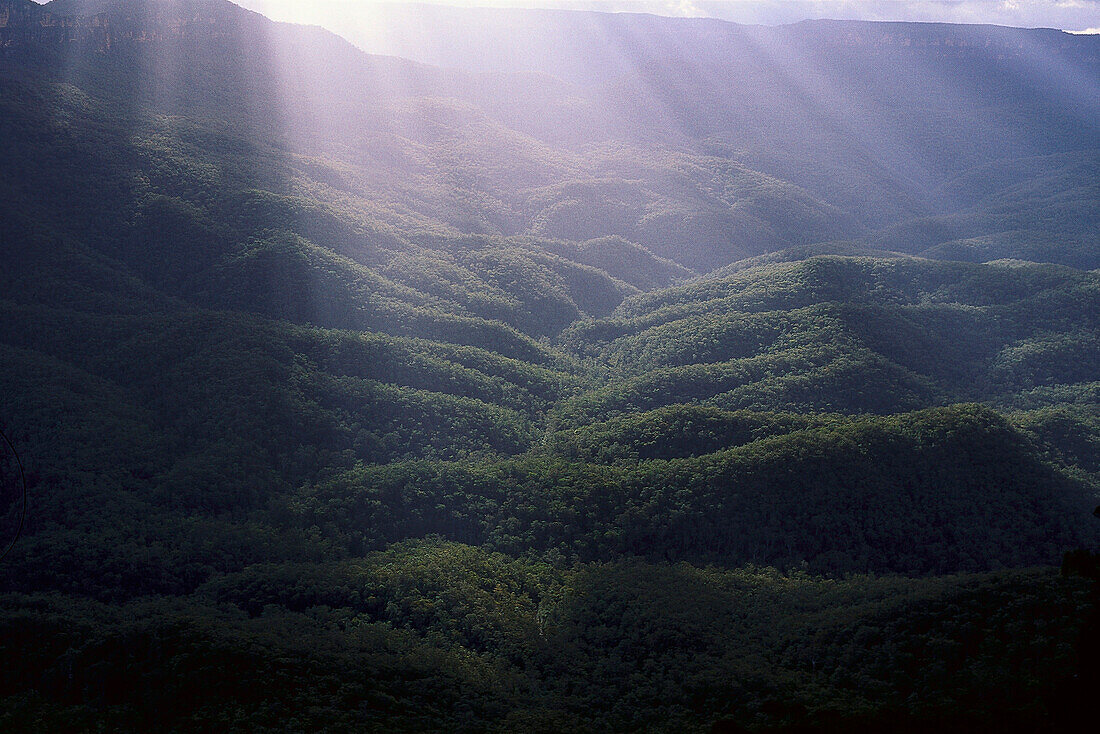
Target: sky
[{"x": 1071, "y": 15}]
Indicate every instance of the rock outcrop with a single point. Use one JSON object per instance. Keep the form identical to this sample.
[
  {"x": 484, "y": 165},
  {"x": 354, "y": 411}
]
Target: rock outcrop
[{"x": 24, "y": 24}]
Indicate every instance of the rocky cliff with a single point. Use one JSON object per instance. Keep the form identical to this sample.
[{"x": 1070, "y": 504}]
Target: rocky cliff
[{"x": 101, "y": 26}]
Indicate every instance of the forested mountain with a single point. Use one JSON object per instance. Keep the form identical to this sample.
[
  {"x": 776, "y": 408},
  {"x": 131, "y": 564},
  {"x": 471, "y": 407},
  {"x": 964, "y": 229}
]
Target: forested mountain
[
  {"x": 713, "y": 386},
  {"x": 957, "y": 128}
]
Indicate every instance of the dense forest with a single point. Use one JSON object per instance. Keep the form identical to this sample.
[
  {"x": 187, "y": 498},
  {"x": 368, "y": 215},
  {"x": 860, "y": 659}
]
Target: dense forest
[{"x": 606, "y": 393}]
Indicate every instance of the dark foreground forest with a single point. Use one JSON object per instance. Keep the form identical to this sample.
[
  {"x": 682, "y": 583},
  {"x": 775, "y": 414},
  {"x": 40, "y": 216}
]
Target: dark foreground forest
[{"x": 687, "y": 377}]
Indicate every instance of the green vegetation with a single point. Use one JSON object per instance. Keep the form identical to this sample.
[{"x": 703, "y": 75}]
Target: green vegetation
[
  {"x": 937, "y": 491},
  {"x": 844, "y": 334},
  {"x": 402, "y": 407},
  {"x": 436, "y": 636}
]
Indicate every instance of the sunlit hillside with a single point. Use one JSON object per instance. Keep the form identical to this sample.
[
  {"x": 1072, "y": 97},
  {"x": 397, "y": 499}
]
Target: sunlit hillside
[{"x": 552, "y": 371}]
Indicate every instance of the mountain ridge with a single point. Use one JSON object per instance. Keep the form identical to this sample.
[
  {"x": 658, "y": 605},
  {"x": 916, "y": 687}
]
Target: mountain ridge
[{"x": 358, "y": 393}]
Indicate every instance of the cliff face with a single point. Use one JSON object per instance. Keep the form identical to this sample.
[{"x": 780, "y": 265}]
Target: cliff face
[
  {"x": 589, "y": 48},
  {"x": 22, "y": 23},
  {"x": 18, "y": 12},
  {"x": 938, "y": 40},
  {"x": 25, "y": 24}
]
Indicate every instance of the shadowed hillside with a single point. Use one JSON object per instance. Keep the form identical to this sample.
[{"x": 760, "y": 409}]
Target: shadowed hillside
[{"x": 669, "y": 376}]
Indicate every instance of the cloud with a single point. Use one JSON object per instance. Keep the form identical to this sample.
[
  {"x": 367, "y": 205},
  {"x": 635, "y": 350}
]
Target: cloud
[{"x": 685, "y": 8}]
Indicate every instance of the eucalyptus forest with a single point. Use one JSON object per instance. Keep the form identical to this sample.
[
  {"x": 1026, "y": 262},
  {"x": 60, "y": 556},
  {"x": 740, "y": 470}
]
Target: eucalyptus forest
[{"x": 577, "y": 372}]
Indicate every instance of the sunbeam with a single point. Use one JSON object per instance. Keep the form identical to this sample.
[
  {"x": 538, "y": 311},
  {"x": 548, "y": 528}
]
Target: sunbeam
[{"x": 543, "y": 366}]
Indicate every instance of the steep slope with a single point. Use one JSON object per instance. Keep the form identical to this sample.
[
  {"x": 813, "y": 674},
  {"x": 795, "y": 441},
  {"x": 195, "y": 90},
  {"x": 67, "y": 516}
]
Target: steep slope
[
  {"x": 870, "y": 117},
  {"x": 355, "y": 393},
  {"x": 702, "y": 157}
]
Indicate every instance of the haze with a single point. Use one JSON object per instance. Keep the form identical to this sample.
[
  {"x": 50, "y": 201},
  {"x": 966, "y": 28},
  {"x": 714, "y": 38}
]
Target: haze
[
  {"x": 459, "y": 370},
  {"x": 1073, "y": 15}
]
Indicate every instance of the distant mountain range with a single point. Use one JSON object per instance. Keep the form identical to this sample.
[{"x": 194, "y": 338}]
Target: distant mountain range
[
  {"x": 555, "y": 372},
  {"x": 883, "y": 128},
  {"x": 584, "y": 46}
]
